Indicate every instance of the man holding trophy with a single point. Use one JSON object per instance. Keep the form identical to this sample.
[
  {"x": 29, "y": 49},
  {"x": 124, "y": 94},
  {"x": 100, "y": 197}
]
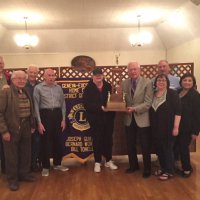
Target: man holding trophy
[{"x": 138, "y": 97}]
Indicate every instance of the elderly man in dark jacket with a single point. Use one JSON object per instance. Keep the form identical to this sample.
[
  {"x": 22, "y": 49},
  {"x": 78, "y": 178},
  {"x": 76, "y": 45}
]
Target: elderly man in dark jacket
[{"x": 16, "y": 120}]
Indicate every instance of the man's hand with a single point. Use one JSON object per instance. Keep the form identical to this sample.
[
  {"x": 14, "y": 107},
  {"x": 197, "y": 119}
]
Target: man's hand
[
  {"x": 130, "y": 109},
  {"x": 32, "y": 130},
  {"x": 5, "y": 87},
  {"x": 63, "y": 125},
  {"x": 41, "y": 128},
  {"x": 6, "y": 136}
]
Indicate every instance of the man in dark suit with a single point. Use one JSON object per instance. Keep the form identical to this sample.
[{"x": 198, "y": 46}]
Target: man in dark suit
[{"x": 138, "y": 96}]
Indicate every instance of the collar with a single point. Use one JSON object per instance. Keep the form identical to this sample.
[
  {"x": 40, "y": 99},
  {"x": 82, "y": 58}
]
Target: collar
[
  {"x": 45, "y": 84},
  {"x": 136, "y": 80}
]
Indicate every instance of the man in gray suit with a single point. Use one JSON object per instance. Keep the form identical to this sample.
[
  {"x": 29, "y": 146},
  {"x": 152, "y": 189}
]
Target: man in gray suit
[{"x": 138, "y": 96}]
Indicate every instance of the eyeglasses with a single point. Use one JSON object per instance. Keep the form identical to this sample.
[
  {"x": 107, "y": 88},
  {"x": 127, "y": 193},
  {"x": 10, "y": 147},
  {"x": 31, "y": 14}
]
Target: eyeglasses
[
  {"x": 161, "y": 80},
  {"x": 20, "y": 79}
]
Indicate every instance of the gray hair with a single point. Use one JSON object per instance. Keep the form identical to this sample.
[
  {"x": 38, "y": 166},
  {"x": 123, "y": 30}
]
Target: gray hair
[
  {"x": 14, "y": 73},
  {"x": 133, "y": 63},
  {"x": 163, "y": 61},
  {"x": 32, "y": 66}
]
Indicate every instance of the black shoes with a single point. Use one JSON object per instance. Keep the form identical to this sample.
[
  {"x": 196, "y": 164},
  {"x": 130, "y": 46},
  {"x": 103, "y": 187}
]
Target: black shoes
[
  {"x": 28, "y": 178},
  {"x": 131, "y": 170},
  {"x": 13, "y": 186}
]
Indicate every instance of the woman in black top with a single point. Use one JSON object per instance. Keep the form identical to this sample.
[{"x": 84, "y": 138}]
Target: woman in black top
[
  {"x": 190, "y": 121},
  {"x": 102, "y": 123},
  {"x": 165, "y": 115}
]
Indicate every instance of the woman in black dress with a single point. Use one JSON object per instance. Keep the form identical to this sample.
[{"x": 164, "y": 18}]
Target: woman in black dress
[
  {"x": 190, "y": 121},
  {"x": 165, "y": 115}
]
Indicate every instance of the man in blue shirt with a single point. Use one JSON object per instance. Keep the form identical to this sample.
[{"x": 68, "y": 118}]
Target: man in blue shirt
[
  {"x": 50, "y": 112},
  {"x": 164, "y": 68}
]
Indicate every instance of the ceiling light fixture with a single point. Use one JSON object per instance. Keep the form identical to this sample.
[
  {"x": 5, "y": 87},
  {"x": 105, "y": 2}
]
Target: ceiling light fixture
[
  {"x": 140, "y": 38},
  {"x": 25, "y": 40}
]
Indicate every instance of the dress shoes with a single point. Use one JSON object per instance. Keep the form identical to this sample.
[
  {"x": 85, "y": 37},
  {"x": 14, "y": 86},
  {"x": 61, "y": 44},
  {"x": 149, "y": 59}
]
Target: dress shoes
[
  {"x": 28, "y": 178},
  {"x": 13, "y": 186},
  {"x": 131, "y": 170}
]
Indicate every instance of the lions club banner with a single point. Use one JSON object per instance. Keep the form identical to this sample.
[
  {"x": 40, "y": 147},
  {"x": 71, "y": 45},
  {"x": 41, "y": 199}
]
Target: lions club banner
[{"x": 76, "y": 139}]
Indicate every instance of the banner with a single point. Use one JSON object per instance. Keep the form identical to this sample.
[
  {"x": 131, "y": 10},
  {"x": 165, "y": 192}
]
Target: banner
[{"x": 76, "y": 139}]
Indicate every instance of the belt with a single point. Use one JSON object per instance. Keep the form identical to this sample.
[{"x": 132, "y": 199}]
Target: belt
[
  {"x": 24, "y": 119},
  {"x": 50, "y": 109}
]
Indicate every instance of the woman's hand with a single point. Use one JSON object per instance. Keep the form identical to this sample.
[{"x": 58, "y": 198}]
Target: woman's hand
[
  {"x": 194, "y": 137},
  {"x": 175, "y": 131}
]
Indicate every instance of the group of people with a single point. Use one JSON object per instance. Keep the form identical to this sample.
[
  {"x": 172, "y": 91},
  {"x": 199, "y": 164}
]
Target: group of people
[
  {"x": 162, "y": 113},
  {"x": 32, "y": 119}
]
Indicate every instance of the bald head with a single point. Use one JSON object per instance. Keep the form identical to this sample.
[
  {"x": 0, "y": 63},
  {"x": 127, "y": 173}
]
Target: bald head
[
  {"x": 133, "y": 70},
  {"x": 49, "y": 76}
]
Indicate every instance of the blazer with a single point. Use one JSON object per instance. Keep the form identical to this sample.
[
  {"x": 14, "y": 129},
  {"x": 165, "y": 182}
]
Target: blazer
[{"x": 141, "y": 101}]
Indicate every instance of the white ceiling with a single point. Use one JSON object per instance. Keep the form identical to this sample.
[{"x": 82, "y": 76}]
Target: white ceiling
[{"x": 95, "y": 25}]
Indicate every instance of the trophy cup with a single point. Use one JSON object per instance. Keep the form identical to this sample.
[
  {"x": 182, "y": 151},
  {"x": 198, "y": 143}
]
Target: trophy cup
[{"x": 116, "y": 99}]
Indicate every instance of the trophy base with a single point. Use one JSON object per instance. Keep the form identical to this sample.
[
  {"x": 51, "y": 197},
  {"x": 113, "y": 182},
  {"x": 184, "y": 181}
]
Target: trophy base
[{"x": 116, "y": 106}]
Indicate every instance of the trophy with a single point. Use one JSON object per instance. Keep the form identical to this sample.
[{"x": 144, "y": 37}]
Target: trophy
[
  {"x": 116, "y": 102},
  {"x": 116, "y": 99}
]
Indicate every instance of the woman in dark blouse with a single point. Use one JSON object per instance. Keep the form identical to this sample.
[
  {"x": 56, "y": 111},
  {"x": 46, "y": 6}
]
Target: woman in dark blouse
[
  {"x": 190, "y": 121},
  {"x": 102, "y": 123},
  {"x": 165, "y": 115}
]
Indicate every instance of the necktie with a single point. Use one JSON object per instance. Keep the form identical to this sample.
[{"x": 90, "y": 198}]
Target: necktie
[{"x": 133, "y": 87}]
